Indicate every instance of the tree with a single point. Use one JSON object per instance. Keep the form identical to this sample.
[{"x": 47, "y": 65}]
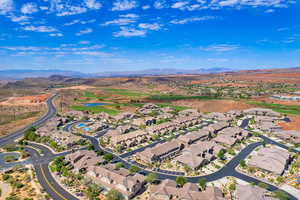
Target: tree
[
  {"x": 202, "y": 183},
  {"x": 119, "y": 165},
  {"x": 108, "y": 157},
  {"x": 91, "y": 147},
  {"x": 263, "y": 185},
  {"x": 180, "y": 180},
  {"x": 221, "y": 154},
  {"x": 243, "y": 163},
  {"x": 114, "y": 195},
  {"x": 134, "y": 169},
  {"x": 151, "y": 178},
  {"x": 281, "y": 195}
]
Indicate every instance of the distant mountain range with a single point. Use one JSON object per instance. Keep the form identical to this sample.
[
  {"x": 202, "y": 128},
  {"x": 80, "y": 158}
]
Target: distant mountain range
[
  {"x": 27, "y": 73},
  {"x": 24, "y": 73}
]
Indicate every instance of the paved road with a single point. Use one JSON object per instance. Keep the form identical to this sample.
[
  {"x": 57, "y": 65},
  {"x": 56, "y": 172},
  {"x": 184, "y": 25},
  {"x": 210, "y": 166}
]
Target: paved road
[
  {"x": 44, "y": 176},
  {"x": 40, "y": 163},
  {"x": 10, "y": 138},
  {"x": 58, "y": 193}
]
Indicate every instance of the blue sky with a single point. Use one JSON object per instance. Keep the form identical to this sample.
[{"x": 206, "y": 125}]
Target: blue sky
[{"x": 117, "y": 35}]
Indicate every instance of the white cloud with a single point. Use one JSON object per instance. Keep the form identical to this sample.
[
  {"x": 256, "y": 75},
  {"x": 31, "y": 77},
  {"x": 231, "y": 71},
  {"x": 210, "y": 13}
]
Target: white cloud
[
  {"x": 180, "y": 4},
  {"x": 220, "y": 48},
  {"x": 44, "y": 8},
  {"x": 84, "y": 42},
  {"x": 29, "y": 8},
  {"x": 153, "y": 27},
  {"x": 123, "y": 20},
  {"x": 160, "y": 4},
  {"x": 130, "y": 32},
  {"x": 93, "y": 4},
  {"x": 65, "y": 8},
  {"x": 6, "y": 6},
  {"x": 56, "y": 34},
  {"x": 192, "y": 19},
  {"x": 85, "y": 31},
  {"x": 72, "y": 10},
  {"x": 39, "y": 28},
  {"x": 270, "y": 11},
  {"x": 130, "y": 16},
  {"x": 146, "y": 7},
  {"x": 120, "y": 22},
  {"x": 57, "y": 51},
  {"x": 78, "y": 21},
  {"x": 120, "y": 5},
  {"x": 20, "y": 19}
]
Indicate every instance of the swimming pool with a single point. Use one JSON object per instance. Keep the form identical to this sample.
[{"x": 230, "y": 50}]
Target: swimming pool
[
  {"x": 80, "y": 125},
  {"x": 86, "y": 129},
  {"x": 94, "y": 104}
]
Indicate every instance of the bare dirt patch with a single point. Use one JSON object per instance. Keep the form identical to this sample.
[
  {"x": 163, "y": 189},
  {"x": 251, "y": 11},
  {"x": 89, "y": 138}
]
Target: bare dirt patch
[
  {"x": 78, "y": 87},
  {"x": 16, "y": 125},
  {"x": 26, "y": 100},
  {"x": 293, "y": 125},
  {"x": 213, "y": 105}
]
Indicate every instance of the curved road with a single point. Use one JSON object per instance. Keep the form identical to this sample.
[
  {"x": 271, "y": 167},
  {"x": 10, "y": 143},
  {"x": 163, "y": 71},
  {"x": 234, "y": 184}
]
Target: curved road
[
  {"x": 45, "y": 178},
  {"x": 13, "y": 136}
]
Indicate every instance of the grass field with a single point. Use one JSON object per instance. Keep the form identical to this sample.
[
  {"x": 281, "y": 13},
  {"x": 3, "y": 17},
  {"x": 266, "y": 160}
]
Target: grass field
[
  {"x": 88, "y": 94},
  {"x": 176, "y": 108},
  {"x": 171, "y": 97},
  {"x": 125, "y": 92},
  {"x": 293, "y": 110},
  {"x": 96, "y": 109}
]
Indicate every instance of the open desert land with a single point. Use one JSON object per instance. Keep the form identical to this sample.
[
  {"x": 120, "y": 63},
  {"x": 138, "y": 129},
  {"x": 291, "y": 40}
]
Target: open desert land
[{"x": 17, "y": 112}]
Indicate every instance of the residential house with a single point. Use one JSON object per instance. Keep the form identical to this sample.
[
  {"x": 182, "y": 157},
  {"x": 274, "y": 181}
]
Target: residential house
[
  {"x": 199, "y": 154},
  {"x": 124, "y": 116},
  {"x": 215, "y": 128},
  {"x": 83, "y": 159},
  {"x": 194, "y": 136},
  {"x": 268, "y": 126},
  {"x": 149, "y": 108},
  {"x": 189, "y": 112},
  {"x": 229, "y": 136},
  {"x": 121, "y": 180},
  {"x": 271, "y": 160},
  {"x": 160, "y": 152},
  {"x": 249, "y": 192},
  {"x": 147, "y": 121},
  {"x": 261, "y": 112},
  {"x": 187, "y": 121},
  {"x": 130, "y": 139},
  {"x": 168, "y": 190},
  {"x": 162, "y": 129},
  {"x": 290, "y": 136}
]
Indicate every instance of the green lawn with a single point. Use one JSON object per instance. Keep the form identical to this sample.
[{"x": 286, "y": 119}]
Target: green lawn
[
  {"x": 127, "y": 104},
  {"x": 88, "y": 94},
  {"x": 294, "y": 110},
  {"x": 171, "y": 97},
  {"x": 176, "y": 108},
  {"x": 125, "y": 92},
  {"x": 96, "y": 109}
]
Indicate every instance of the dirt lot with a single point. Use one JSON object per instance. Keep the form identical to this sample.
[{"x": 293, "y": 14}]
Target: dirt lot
[
  {"x": 293, "y": 125},
  {"x": 213, "y": 105},
  {"x": 292, "y": 78},
  {"x": 30, "y": 187},
  {"x": 79, "y": 87},
  {"x": 26, "y": 100},
  {"x": 16, "y": 125}
]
